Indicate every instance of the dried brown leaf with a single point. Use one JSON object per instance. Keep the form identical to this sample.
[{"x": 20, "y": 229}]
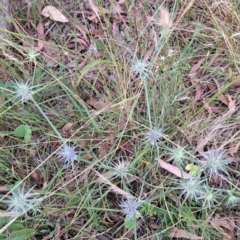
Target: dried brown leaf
[
  {"x": 202, "y": 142},
  {"x": 58, "y": 232},
  {"x": 173, "y": 169},
  {"x": 236, "y": 82},
  {"x": 96, "y": 103},
  {"x": 54, "y": 14},
  {"x": 223, "y": 99},
  {"x": 194, "y": 80},
  {"x": 226, "y": 223},
  {"x": 233, "y": 150},
  {"x": 67, "y": 128},
  {"x": 3, "y": 189},
  {"x": 41, "y": 37},
  {"x": 51, "y": 54},
  {"x": 113, "y": 187},
  {"x": 179, "y": 233},
  {"x": 231, "y": 107}
]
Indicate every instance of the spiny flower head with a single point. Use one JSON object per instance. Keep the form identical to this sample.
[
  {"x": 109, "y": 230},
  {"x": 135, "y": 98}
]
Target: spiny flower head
[
  {"x": 21, "y": 202},
  {"x": 22, "y": 90},
  {"x": 67, "y": 154},
  {"x": 233, "y": 197},
  {"x": 178, "y": 155},
  {"x": 209, "y": 196},
  {"x": 153, "y": 135},
  {"x": 121, "y": 169},
  {"x": 130, "y": 208},
  {"x": 191, "y": 188},
  {"x": 215, "y": 163},
  {"x": 31, "y": 55},
  {"x": 140, "y": 67}
]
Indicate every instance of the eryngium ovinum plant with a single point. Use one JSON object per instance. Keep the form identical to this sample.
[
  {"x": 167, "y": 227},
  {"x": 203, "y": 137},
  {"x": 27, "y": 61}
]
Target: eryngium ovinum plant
[
  {"x": 199, "y": 188},
  {"x": 20, "y": 202},
  {"x": 23, "y": 91}
]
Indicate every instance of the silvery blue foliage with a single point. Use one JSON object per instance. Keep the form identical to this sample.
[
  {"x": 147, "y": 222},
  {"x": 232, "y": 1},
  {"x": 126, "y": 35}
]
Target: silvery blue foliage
[
  {"x": 130, "y": 208},
  {"x": 209, "y": 197},
  {"x": 20, "y": 202},
  {"x": 178, "y": 155},
  {"x": 22, "y": 90},
  {"x": 121, "y": 170},
  {"x": 191, "y": 188},
  {"x": 215, "y": 163},
  {"x": 140, "y": 67},
  {"x": 67, "y": 154},
  {"x": 153, "y": 135},
  {"x": 233, "y": 197}
]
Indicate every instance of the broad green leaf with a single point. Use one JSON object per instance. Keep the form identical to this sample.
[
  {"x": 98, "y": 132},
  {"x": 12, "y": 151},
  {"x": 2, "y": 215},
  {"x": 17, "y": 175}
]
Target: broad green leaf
[
  {"x": 16, "y": 226},
  {"x": 20, "y": 131},
  {"x": 27, "y": 138},
  {"x": 21, "y": 235},
  {"x": 129, "y": 223}
]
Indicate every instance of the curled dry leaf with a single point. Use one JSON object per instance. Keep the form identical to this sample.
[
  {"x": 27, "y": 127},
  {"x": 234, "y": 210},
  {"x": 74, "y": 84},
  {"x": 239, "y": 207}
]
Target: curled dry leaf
[
  {"x": 231, "y": 107},
  {"x": 179, "y": 233},
  {"x": 41, "y": 37},
  {"x": 236, "y": 82},
  {"x": 234, "y": 149},
  {"x": 226, "y": 224},
  {"x": 97, "y": 104},
  {"x": 173, "y": 169},
  {"x": 54, "y": 14}
]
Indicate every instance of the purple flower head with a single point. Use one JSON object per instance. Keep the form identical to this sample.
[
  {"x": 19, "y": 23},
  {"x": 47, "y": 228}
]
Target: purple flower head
[
  {"x": 129, "y": 208},
  {"x": 67, "y": 154},
  {"x": 153, "y": 135}
]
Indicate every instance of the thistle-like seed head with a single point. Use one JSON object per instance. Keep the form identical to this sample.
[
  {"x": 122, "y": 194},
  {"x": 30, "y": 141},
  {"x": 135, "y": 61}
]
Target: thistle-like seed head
[
  {"x": 191, "y": 188},
  {"x": 153, "y": 135},
  {"x": 215, "y": 163},
  {"x": 67, "y": 154},
  {"x": 140, "y": 67},
  {"x": 21, "y": 202},
  {"x": 129, "y": 208}
]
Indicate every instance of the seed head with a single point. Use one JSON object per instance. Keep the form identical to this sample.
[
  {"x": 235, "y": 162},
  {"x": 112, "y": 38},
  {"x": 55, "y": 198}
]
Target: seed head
[
  {"x": 32, "y": 55},
  {"x": 209, "y": 196},
  {"x": 191, "y": 188},
  {"x": 233, "y": 197},
  {"x": 21, "y": 202},
  {"x": 140, "y": 67},
  {"x": 178, "y": 155},
  {"x": 22, "y": 90},
  {"x": 122, "y": 170},
  {"x": 67, "y": 154},
  {"x": 129, "y": 208},
  {"x": 153, "y": 135},
  {"x": 215, "y": 163}
]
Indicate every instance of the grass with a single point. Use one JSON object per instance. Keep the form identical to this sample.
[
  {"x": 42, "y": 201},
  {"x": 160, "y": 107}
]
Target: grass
[{"x": 108, "y": 94}]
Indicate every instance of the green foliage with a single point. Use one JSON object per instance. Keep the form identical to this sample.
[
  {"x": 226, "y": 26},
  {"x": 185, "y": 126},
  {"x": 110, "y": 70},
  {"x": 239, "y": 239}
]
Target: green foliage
[
  {"x": 23, "y": 131},
  {"x": 129, "y": 222}
]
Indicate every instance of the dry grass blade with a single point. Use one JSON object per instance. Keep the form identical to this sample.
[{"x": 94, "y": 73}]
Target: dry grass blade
[{"x": 113, "y": 187}]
